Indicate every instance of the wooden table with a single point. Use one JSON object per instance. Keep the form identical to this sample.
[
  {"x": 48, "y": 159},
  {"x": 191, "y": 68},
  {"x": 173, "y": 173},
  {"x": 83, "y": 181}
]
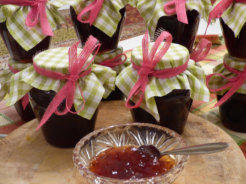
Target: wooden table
[{"x": 25, "y": 157}]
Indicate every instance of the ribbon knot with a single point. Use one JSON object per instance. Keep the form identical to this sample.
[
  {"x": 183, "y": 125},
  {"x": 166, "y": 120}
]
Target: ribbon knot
[
  {"x": 94, "y": 9},
  {"x": 178, "y": 7},
  {"x": 73, "y": 78},
  {"x": 78, "y": 67},
  {"x": 147, "y": 68},
  {"x": 35, "y": 15},
  {"x": 233, "y": 83}
]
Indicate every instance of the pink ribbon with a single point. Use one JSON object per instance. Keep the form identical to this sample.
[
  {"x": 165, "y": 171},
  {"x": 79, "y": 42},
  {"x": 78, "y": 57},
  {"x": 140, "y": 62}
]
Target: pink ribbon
[
  {"x": 177, "y": 7},
  {"x": 94, "y": 9},
  {"x": 220, "y": 8},
  {"x": 116, "y": 61},
  {"x": 78, "y": 68},
  {"x": 201, "y": 51},
  {"x": 234, "y": 83},
  {"x": 36, "y": 14},
  {"x": 25, "y": 99},
  {"x": 147, "y": 70}
]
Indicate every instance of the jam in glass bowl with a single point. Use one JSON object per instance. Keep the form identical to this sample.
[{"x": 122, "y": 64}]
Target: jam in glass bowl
[{"x": 127, "y": 136}]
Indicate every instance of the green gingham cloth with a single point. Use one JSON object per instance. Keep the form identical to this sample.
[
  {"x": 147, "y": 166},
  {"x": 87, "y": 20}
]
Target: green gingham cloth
[
  {"x": 192, "y": 78},
  {"x": 235, "y": 16},
  {"x": 217, "y": 81},
  {"x": 150, "y": 10},
  {"x": 6, "y": 74},
  {"x": 6, "y": 11},
  {"x": 98, "y": 84},
  {"x": 25, "y": 36},
  {"x": 110, "y": 55}
]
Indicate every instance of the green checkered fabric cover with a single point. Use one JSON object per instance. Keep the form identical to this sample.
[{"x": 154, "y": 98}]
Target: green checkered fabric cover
[
  {"x": 110, "y": 55},
  {"x": 6, "y": 11},
  {"x": 98, "y": 84},
  {"x": 192, "y": 78},
  {"x": 235, "y": 16},
  {"x": 6, "y": 74},
  {"x": 217, "y": 81},
  {"x": 30, "y": 37},
  {"x": 150, "y": 10}
]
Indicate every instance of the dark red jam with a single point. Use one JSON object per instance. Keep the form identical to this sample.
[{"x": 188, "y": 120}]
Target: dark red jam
[
  {"x": 173, "y": 110},
  {"x": 129, "y": 162},
  {"x": 233, "y": 112},
  {"x": 183, "y": 34},
  {"x": 236, "y": 46},
  {"x": 60, "y": 131},
  {"x": 16, "y": 51},
  {"x": 85, "y": 30},
  {"x": 25, "y": 114}
]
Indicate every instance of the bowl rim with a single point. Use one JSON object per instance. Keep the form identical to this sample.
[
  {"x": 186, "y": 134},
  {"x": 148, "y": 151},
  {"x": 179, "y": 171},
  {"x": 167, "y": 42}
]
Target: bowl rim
[{"x": 77, "y": 159}]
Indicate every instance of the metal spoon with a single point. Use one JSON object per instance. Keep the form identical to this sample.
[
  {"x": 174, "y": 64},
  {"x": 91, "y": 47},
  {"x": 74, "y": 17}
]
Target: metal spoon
[
  {"x": 198, "y": 149},
  {"x": 190, "y": 150}
]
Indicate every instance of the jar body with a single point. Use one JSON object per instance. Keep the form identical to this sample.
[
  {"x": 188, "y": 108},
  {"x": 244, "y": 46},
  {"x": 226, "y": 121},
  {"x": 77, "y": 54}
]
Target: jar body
[
  {"x": 60, "y": 131},
  {"x": 235, "y": 45},
  {"x": 183, "y": 34},
  {"x": 16, "y": 51},
  {"x": 115, "y": 95},
  {"x": 233, "y": 112},
  {"x": 173, "y": 110},
  {"x": 25, "y": 114},
  {"x": 84, "y": 30}
]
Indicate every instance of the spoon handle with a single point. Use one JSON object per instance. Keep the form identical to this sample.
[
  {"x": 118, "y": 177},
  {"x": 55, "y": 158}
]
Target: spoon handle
[{"x": 198, "y": 149}]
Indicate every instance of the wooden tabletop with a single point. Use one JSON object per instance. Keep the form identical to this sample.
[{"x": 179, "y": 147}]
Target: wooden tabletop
[{"x": 25, "y": 157}]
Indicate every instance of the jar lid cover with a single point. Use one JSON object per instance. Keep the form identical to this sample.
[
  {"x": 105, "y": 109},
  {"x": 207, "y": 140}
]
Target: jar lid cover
[
  {"x": 176, "y": 55},
  {"x": 56, "y": 59}
]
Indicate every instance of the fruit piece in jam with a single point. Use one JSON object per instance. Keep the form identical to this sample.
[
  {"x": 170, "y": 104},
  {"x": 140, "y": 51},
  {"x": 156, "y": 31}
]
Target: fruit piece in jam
[{"x": 129, "y": 162}]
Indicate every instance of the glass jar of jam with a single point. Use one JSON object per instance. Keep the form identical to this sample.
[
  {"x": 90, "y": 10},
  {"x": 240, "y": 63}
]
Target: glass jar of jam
[
  {"x": 183, "y": 34},
  {"x": 233, "y": 112},
  {"x": 16, "y": 51},
  {"x": 173, "y": 110},
  {"x": 60, "y": 131},
  {"x": 84, "y": 30},
  {"x": 235, "y": 45}
]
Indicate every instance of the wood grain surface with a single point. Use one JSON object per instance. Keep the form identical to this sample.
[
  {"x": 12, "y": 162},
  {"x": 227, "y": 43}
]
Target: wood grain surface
[{"x": 25, "y": 157}]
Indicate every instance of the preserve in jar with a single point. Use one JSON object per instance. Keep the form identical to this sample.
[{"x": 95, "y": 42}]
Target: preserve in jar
[
  {"x": 84, "y": 30},
  {"x": 173, "y": 109},
  {"x": 232, "y": 112},
  {"x": 235, "y": 44},
  {"x": 65, "y": 91},
  {"x": 228, "y": 83},
  {"x": 161, "y": 90},
  {"x": 16, "y": 51}
]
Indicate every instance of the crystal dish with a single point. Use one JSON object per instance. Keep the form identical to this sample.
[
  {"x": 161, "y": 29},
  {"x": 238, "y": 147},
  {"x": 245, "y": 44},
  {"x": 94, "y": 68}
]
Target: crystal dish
[{"x": 132, "y": 134}]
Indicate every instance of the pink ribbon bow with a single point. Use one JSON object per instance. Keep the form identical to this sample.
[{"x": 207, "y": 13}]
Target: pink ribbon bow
[
  {"x": 234, "y": 83},
  {"x": 94, "y": 9},
  {"x": 147, "y": 70},
  {"x": 116, "y": 61},
  {"x": 36, "y": 14},
  {"x": 25, "y": 99},
  {"x": 77, "y": 69},
  {"x": 177, "y": 7},
  {"x": 221, "y": 7}
]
